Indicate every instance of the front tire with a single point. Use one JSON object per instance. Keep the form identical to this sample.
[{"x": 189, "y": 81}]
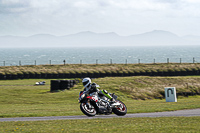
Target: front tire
[
  {"x": 121, "y": 109},
  {"x": 88, "y": 109}
]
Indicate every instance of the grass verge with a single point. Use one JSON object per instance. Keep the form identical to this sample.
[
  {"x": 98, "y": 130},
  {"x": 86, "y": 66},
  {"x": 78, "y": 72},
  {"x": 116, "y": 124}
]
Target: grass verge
[{"x": 117, "y": 125}]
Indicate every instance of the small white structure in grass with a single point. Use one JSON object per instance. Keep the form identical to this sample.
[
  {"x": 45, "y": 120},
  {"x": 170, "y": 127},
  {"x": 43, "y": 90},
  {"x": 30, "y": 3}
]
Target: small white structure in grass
[
  {"x": 40, "y": 83},
  {"x": 170, "y": 94}
]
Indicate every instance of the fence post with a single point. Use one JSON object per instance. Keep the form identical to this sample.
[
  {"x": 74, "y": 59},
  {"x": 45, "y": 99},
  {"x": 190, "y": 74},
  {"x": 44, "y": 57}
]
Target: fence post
[
  {"x": 154, "y": 61},
  {"x": 193, "y": 60},
  {"x": 126, "y": 62},
  {"x": 111, "y": 61},
  {"x": 35, "y": 62},
  {"x": 20, "y": 63},
  {"x": 180, "y": 61},
  {"x": 96, "y": 62}
]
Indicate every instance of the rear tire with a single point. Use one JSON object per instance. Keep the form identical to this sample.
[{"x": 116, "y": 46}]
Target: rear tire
[
  {"x": 88, "y": 111},
  {"x": 120, "y": 110}
]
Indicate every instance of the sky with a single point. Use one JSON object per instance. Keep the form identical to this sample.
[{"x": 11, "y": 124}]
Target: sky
[{"x": 124, "y": 17}]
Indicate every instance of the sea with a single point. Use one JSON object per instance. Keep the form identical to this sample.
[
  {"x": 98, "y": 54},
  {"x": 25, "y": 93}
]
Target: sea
[{"x": 99, "y": 55}]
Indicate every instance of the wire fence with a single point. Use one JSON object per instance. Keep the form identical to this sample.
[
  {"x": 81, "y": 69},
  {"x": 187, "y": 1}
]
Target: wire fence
[{"x": 97, "y": 61}]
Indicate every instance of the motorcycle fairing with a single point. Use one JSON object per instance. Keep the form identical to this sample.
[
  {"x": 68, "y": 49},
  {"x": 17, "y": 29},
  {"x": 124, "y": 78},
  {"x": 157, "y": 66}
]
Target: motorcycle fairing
[{"x": 94, "y": 98}]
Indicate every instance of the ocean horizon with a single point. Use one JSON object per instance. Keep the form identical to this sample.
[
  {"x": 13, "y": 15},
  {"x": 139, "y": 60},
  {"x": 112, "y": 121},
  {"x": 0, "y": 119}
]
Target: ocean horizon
[{"x": 99, "y": 55}]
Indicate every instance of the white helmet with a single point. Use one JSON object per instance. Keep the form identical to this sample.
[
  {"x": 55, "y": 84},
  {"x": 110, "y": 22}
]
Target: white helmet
[{"x": 86, "y": 82}]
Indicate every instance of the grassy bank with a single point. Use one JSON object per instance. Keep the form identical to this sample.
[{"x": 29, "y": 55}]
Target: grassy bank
[
  {"x": 116, "y": 125},
  {"x": 145, "y": 87},
  {"x": 20, "y": 98},
  {"x": 98, "y": 70}
]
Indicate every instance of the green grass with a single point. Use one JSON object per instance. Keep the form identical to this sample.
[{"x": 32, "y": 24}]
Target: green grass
[
  {"x": 37, "y": 101},
  {"x": 20, "y": 98},
  {"x": 116, "y": 125},
  {"x": 144, "y": 87}
]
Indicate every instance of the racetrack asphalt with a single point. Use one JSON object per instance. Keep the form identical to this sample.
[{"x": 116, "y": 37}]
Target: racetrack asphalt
[{"x": 184, "y": 113}]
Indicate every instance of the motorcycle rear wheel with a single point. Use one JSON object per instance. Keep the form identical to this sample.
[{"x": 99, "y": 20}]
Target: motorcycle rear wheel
[
  {"x": 89, "y": 111},
  {"x": 120, "y": 110}
]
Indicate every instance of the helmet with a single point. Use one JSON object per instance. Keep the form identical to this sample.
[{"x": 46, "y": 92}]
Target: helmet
[{"x": 86, "y": 82}]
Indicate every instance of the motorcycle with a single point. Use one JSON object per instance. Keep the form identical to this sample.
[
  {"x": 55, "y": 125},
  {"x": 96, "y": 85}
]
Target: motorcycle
[{"x": 92, "y": 105}]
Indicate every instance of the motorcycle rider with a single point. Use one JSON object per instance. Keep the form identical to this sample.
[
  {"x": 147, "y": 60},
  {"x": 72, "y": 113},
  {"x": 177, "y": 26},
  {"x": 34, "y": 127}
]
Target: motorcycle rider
[{"x": 92, "y": 89}]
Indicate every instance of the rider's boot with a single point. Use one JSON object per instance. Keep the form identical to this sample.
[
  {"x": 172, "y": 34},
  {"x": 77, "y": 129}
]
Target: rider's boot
[
  {"x": 109, "y": 108},
  {"x": 112, "y": 100}
]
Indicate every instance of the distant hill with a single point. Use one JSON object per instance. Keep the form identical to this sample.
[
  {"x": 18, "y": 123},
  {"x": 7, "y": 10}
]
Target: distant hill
[{"x": 91, "y": 39}]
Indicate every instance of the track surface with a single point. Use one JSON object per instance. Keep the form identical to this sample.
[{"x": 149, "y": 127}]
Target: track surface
[{"x": 185, "y": 113}]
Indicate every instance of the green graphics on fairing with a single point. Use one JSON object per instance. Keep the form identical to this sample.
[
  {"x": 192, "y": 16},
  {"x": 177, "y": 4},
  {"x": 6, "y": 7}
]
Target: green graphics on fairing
[{"x": 106, "y": 94}]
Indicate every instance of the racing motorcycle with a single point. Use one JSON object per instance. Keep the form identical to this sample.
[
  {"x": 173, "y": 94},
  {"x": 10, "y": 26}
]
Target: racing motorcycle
[{"x": 92, "y": 105}]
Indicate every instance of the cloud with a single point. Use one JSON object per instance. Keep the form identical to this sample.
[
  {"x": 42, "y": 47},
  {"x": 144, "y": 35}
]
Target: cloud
[
  {"x": 192, "y": 1},
  {"x": 80, "y": 6},
  {"x": 61, "y": 17},
  {"x": 13, "y": 6}
]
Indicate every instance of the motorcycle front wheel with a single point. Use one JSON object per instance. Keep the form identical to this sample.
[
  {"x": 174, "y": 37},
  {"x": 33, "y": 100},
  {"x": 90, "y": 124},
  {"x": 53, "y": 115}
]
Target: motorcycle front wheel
[
  {"x": 120, "y": 109},
  {"x": 88, "y": 109}
]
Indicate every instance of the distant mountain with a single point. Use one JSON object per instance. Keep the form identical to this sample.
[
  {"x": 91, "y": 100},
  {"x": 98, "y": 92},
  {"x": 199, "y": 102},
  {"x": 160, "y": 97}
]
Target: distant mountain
[
  {"x": 91, "y": 39},
  {"x": 157, "y": 37},
  {"x": 192, "y": 38}
]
